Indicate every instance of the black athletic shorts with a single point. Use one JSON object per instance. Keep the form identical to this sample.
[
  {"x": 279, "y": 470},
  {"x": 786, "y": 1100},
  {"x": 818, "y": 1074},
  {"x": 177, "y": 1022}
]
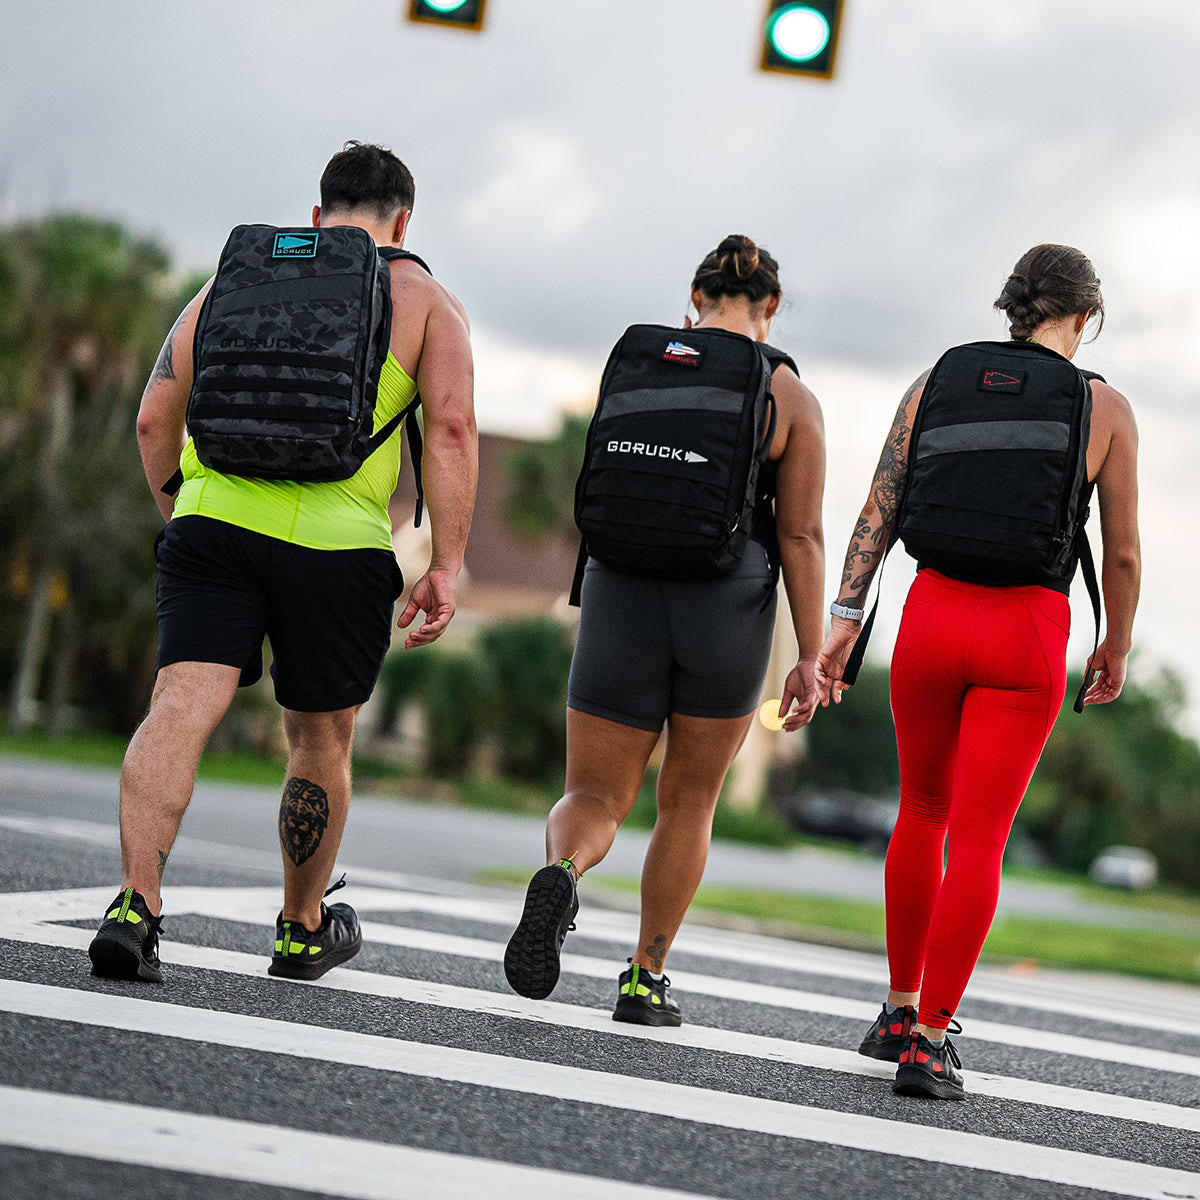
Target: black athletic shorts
[
  {"x": 648, "y": 647},
  {"x": 327, "y": 613}
]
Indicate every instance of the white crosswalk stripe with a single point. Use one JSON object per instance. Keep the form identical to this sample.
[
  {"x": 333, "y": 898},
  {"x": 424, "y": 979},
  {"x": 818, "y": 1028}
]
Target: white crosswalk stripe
[{"x": 56, "y": 1121}]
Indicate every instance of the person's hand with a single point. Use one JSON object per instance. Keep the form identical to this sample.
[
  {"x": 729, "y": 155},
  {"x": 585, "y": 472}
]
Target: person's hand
[
  {"x": 433, "y": 594},
  {"x": 831, "y": 661},
  {"x": 1110, "y": 675},
  {"x": 800, "y": 689}
]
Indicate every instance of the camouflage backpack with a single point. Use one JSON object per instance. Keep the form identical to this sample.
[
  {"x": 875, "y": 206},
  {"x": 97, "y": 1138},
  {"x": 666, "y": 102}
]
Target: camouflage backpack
[{"x": 289, "y": 346}]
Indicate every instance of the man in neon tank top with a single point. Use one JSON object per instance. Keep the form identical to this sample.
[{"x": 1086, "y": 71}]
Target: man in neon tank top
[{"x": 311, "y": 566}]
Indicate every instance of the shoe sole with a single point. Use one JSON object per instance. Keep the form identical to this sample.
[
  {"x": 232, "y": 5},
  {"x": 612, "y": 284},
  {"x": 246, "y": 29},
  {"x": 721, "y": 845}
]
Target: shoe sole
[
  {"x": 912, "y": 1081},
  {"x": 116, "y": 959},
  {"x": 889, "y": 1054},
  {"x": 634, "y": 1013},
  {"x": 531, "y": 958},
  {"x": 281, "y": 968}
]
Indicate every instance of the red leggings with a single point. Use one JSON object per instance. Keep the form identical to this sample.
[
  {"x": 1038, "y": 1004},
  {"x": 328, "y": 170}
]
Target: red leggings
[{"x": 978, "y": 677}]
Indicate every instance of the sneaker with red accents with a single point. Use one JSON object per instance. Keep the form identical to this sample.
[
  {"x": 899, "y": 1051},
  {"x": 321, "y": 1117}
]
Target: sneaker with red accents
[
  {"x": 929, "y": 1069},
  {"x": 889, "y": 1033}
]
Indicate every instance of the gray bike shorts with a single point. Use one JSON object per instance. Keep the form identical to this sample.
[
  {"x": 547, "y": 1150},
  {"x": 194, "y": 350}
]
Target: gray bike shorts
[{"x": 649, "y": 647}]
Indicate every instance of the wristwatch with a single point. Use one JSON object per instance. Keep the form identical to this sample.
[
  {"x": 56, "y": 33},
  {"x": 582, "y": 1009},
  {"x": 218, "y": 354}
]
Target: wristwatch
[{"x": 845, "y": 612}]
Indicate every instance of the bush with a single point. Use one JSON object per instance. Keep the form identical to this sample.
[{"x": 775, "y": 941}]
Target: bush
[
  {"x": 458, "y": 689},
  {"x": 401, "y": 680},
  {"x": 853, "y": 747},
  {"x": 530, "y": 660}
]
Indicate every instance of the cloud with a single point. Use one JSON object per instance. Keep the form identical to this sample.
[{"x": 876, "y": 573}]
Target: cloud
[{"x": 537, "y": 182}]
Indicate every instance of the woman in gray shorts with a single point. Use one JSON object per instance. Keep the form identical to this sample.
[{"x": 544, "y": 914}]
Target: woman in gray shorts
[{"x": 688, "y": 656}]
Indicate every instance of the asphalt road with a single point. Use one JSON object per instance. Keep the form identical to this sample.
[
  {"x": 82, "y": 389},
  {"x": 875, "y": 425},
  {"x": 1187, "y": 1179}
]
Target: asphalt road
[{"x": 413, "y": 1071}]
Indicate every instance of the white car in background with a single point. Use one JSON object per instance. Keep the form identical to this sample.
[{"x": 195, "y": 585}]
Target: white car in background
[{"x": 1125, "y": 866}]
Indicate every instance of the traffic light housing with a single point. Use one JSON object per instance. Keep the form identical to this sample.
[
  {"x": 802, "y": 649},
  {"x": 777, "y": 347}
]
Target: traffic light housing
[
  {"x": 453, "y": 14},
  {"x": 799, "y": 37}
]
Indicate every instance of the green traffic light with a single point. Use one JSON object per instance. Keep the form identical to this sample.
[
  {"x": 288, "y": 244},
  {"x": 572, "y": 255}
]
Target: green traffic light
[
  {"x": 798, "y": 33},
  {"x": 445, "y": 6}
]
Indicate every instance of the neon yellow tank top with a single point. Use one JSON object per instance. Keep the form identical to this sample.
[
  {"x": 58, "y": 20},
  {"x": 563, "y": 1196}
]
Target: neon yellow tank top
[{"x": 348, "y": 514}]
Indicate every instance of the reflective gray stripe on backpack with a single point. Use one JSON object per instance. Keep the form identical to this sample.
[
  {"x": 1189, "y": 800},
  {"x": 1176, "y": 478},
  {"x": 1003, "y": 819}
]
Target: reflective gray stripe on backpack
[
  {"x": 259, "y": 295},
  {"x": 702, "y": 399},
  {"x": 994, "y": 435}
]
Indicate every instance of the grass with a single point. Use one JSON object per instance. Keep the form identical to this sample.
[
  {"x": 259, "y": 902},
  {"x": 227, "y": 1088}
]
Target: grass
[{"x": 859, "y": 925}]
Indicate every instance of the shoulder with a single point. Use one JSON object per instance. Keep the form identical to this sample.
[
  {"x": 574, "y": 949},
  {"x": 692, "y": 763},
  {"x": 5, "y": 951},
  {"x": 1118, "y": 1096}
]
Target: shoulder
[
  {"x": 797, "y": 412},
  {"x": 1112, "y": 411},
  {"x": 789, "y": 389},
  {"x": 421, "y": 292}
]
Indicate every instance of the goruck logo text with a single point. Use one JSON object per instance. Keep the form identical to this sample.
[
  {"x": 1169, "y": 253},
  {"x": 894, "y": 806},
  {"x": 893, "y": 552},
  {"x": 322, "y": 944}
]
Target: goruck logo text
[{"x": 651, "y": 451}]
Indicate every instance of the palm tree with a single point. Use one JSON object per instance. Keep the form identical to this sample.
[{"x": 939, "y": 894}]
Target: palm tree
[{"x": 83, "y": 306}]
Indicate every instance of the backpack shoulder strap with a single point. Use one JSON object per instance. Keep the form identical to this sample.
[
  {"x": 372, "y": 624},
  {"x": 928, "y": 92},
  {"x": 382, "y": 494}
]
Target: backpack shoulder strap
[
  {"x": 778, "y": 358},
  {"x": 1087, "y": 567},
  {"x": 408, "y": 415},
  {"x": 391, "y": 253}
]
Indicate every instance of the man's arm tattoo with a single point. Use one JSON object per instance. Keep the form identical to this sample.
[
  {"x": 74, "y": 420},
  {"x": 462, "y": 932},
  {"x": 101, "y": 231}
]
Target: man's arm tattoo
[
  {"x": 164, "y": 368},
  {"x": 303, "y": 816}
]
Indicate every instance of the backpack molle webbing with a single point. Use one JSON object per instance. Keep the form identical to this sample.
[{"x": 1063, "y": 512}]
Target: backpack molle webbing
[
  {"x": 288, "y": 351},
  {"x": 683, "y": 424}
]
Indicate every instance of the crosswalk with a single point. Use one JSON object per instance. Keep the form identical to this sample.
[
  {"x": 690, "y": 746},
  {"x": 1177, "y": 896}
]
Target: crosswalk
[{"x": 461, "y": 1088}]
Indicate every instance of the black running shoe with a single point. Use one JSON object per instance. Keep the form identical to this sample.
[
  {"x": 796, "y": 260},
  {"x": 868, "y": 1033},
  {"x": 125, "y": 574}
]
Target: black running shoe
[
  {"x": 126, "y": 944},
  {"x": 644, "y": 1000},
  {"x": 889, "y": 1033},
  {"x": 301, "y": 954},
  {"x": 531, "y": 959},
  {"x": 928, "y": 1069}
]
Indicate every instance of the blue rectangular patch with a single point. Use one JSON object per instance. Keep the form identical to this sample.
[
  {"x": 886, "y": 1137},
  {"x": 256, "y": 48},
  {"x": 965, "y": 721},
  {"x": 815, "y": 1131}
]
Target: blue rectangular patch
[{"x": 295, "y": 245}]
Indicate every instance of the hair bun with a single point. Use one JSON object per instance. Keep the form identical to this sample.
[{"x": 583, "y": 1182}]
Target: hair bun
[
  {"x": 737, "y": 256},
  {"x": 1048, "y": 283}
]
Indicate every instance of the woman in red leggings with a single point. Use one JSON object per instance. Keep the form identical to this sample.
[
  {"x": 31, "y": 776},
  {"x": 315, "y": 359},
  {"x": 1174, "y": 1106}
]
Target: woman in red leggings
[{"x": 977, "y": 678}]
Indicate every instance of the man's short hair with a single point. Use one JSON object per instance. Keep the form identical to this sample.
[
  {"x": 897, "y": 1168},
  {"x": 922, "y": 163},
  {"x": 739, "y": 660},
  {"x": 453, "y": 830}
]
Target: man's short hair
[{"x": 361, "y": 175}]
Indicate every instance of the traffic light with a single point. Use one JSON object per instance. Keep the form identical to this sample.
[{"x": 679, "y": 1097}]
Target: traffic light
[
  {"x": 801, "y": 38},
  {"x": 454, "y": 14}
]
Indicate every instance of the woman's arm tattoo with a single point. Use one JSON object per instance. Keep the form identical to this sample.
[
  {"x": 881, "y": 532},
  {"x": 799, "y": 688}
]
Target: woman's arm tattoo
[{"x": 870, "y": 537}]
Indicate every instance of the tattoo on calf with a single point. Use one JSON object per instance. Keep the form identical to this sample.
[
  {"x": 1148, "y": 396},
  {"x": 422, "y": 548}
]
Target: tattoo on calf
[
  {"x": 162, "y": 865},
  {"x": 656, "y": 952},
  {"x": 303, "y": 816}
]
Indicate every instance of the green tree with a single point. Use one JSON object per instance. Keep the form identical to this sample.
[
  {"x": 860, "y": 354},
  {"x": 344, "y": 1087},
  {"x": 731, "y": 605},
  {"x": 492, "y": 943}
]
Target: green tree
[
  {"x": 540, "y": 497},
  {"x": 1121, "y": 773},
  {"x": 84, "y": 305}
]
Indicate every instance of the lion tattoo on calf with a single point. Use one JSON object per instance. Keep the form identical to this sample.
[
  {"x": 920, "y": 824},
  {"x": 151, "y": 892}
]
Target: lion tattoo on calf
[{"x": 303, "y": 816}]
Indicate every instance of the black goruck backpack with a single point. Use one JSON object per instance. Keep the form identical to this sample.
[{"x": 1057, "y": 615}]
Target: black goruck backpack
[
  {"x": 670, "y": 477},
  {"x": 996, "y": 489},
  {"x": 289, "y": 346},
  {"x": 997, "y": 464}
]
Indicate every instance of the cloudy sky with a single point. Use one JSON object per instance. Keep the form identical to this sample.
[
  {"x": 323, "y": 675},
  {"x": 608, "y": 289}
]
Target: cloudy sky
[{"x": 577, "y": 159}]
